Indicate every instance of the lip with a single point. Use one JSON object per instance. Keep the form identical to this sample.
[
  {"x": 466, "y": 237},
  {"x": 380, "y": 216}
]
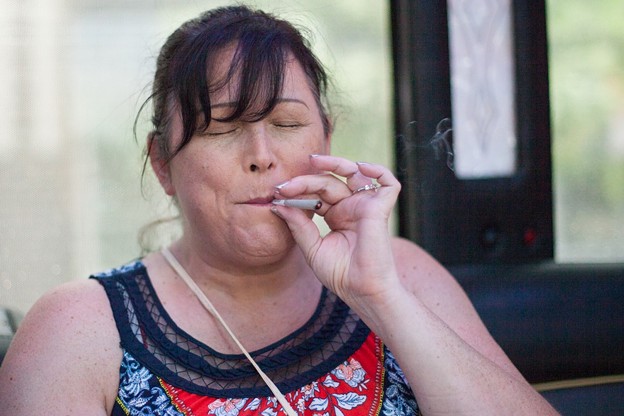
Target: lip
[{"x": 259, "y": 201}]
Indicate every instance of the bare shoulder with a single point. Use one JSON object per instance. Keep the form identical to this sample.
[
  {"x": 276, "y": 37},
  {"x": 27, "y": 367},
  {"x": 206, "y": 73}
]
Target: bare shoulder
[
  {"x": 428, "y": 279},
  {"x": 65, "y": 353},
  {"x": 432, "y": 283},
  {"x": 418, "y": 270},
  {"x": 442, "y": 294}
]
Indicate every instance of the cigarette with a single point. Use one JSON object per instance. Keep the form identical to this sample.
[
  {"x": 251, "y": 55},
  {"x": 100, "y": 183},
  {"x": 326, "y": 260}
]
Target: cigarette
[{"x": 310, "y": 204}]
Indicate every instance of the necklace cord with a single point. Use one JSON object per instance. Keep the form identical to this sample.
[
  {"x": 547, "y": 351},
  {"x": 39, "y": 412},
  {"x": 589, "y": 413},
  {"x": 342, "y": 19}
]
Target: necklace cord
[{"x": 203, "y": 299}]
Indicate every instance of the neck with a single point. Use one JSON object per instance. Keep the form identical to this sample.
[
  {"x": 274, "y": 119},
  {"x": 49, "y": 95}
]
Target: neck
[
  {"x": 260, "y": 307},
  {"x": 254, "y": 286}
]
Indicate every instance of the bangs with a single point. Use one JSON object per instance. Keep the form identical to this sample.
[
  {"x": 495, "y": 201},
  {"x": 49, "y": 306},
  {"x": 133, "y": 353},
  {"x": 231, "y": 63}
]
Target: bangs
[
  {"x": 256, "y": 74},
  {"x": 191, "y": 67}
]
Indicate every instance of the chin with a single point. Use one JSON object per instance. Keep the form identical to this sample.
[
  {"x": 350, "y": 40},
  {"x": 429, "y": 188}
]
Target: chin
[
  {"x": 260, "y": 258},
  {"x": 267, "y": 241}
]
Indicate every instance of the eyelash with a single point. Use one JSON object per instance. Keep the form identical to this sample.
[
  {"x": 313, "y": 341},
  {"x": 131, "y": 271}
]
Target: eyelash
[
  {"x": 287, "y": 125},
  {"x": 221, "y": 133}
]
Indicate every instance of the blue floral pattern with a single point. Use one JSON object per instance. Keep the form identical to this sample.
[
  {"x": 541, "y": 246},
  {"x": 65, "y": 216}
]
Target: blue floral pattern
[
  {"x": 140, "y": 392},
  {"x": 399, "y": 399}
]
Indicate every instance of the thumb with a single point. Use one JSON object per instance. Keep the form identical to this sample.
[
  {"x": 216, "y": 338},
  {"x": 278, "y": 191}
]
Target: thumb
[{"x": 303, "y": 229}]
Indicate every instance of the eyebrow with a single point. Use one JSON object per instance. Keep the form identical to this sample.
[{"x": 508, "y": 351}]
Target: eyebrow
[{"x": 279, "y": 101}]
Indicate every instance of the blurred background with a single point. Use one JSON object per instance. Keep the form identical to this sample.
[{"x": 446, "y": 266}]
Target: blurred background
[{"x": 73, "y": 74}]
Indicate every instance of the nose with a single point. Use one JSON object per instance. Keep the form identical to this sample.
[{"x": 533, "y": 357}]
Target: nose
[{"x": 260, "y": 156}]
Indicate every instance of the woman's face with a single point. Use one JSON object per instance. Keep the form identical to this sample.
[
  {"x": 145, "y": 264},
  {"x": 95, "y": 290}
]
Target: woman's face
[{"x": 224, "y": 178}]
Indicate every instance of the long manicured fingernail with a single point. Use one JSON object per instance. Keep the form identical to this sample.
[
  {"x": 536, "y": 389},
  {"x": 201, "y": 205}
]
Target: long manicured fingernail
[{"x": 280, "y": 186}]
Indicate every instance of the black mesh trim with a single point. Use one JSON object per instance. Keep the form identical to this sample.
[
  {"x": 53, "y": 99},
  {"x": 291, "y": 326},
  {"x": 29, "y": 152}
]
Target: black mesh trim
[{"x": 331, "y": 335}]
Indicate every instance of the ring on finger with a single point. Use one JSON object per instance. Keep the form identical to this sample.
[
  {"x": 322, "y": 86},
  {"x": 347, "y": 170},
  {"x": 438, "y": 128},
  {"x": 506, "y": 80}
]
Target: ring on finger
[{"x": 369, "y": 187}]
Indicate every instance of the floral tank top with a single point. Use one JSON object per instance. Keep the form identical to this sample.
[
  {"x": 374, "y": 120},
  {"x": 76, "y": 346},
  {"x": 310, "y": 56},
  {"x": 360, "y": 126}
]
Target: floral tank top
[{"x": 332, "y": 365}]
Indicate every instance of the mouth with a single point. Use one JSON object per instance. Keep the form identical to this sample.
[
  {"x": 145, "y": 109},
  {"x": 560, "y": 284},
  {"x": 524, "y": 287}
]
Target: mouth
[{"x": 260, "y": 201}]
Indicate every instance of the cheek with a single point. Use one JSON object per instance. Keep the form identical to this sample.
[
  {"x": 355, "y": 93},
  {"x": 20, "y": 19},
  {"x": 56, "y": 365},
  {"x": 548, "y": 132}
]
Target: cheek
[
  {"x": 198, "y": 177},
  {"x": 314, "y": 144},
  {"x": 211, "y": 182},
  {"x": 297, "y": 160},
  {"x": 204, "y": 194},
  {"x": 320, "y": 147}
]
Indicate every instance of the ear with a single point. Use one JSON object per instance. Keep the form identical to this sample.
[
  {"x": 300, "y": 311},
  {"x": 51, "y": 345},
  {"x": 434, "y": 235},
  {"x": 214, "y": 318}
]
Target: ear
[{"x": 159, "y": 162}]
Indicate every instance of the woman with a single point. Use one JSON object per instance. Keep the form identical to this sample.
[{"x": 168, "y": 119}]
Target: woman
[{"x": 355, "y": 322}]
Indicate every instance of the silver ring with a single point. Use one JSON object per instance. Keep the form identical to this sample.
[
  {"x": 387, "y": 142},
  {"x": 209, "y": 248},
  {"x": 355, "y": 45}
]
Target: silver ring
[{"x": 369, "y": 187}]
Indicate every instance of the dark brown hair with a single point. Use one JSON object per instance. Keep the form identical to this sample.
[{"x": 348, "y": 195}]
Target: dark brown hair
[{"x": 184, "y": 78}]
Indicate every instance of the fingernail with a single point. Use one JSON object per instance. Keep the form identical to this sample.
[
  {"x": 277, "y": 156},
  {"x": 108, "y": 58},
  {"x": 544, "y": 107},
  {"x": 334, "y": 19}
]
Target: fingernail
[
  {"x": 275, "y": 211},
  {"x": 362, "y": 163},
  {"x": 312, "y": 156},
  {"x": 280, "y": 186}
]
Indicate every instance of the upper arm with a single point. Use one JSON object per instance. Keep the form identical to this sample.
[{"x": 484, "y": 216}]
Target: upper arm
[
  {"x": 65, "y": 356},
  {"x": 442, "y": 294}
]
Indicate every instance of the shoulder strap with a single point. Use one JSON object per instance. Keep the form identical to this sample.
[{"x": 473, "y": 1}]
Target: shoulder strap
[{"x": 173, "y": 262}]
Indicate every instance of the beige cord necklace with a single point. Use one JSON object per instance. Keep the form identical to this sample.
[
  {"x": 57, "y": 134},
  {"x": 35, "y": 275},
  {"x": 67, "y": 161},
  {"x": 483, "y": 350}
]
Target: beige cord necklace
[{"x": 173, "y": 262}]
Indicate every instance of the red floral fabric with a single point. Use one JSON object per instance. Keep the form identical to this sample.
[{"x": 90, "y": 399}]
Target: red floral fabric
[{"x": 354, "y": 388}]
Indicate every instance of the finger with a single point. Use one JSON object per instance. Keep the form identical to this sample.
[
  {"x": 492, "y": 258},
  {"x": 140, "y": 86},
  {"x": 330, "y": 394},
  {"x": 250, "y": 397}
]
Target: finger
[
  {"x": 329, "y": 188},
  {"x": 303, "y": 229},
  {"x": 382, "y": 175},
  {"x": 337, "y": 165},
  {"x": 355, "y": 178}
]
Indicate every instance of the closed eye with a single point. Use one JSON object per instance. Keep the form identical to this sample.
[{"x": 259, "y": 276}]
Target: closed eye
[
  {"x": 220, "y": 133},
  {"x": 288, "y": 125},
  {"x": 218, "y": 128}
]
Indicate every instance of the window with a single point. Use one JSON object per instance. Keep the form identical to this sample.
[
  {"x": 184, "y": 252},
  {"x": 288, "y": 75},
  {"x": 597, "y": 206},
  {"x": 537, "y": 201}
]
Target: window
[
  {"x": 73, "y": 75},
  {"x": 500, "y": 200},
  {"x": 586, "y": 42}
]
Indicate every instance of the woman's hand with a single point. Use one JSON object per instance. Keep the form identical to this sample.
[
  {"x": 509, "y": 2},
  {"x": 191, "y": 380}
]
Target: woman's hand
[
  {"x": 354, "y": 259},
  {"x": 431, "y": 328}
]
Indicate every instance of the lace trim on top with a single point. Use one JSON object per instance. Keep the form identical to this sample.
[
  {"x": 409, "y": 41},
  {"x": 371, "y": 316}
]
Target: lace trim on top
[{"x": 331, "y": 335}]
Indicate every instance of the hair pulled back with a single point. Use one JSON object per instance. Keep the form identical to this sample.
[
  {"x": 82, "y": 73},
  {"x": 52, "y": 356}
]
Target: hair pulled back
[{"x": 185, "y": 76}]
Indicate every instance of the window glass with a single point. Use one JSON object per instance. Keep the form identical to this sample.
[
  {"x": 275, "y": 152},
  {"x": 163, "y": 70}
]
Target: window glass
[
  {"x": 586, "y": 49},
  {"x": 73, "y": 74},
  {"x": 482, "y": 88}
]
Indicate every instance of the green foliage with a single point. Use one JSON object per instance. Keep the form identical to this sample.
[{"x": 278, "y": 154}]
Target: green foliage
[{"x": 586, "y": 42}]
